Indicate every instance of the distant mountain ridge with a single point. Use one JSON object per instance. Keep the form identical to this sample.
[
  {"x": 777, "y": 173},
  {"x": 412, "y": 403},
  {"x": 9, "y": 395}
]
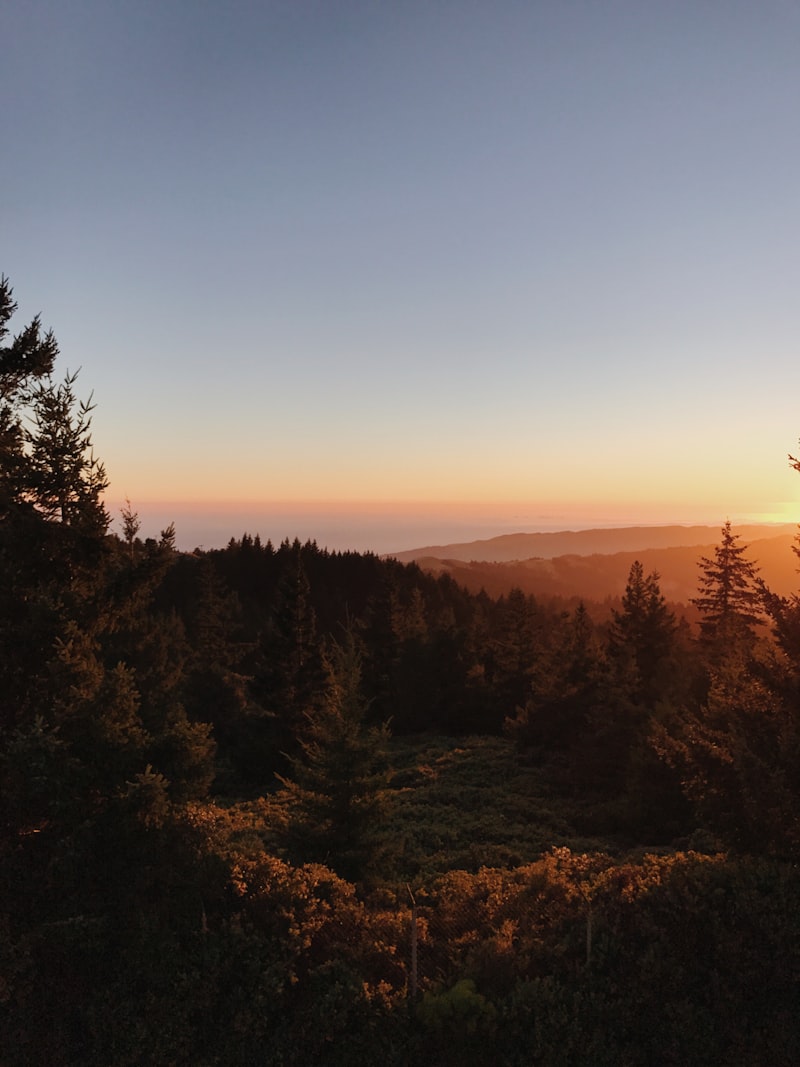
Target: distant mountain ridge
[
  {"x": 600, "y": 576},
  {"x": 508, "y": 548}
]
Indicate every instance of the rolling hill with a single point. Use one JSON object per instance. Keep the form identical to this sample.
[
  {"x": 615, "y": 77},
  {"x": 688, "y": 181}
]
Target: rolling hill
[
  {"x": 521, "y": 546},
  {"x": 595, "y": 575}
]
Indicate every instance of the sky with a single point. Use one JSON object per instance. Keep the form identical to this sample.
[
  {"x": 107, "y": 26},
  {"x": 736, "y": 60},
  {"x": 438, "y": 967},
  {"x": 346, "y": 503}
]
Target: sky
[{"x": 387, "y": 274}]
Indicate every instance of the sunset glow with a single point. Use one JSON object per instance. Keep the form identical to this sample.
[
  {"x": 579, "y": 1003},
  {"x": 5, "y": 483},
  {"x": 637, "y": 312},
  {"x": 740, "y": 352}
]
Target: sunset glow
[
  {"x": 399, "y": 532},
  {"x": 491, "y": 267}
]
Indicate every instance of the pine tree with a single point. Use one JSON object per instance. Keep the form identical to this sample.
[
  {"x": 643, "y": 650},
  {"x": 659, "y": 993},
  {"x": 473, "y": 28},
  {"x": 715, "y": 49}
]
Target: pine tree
[
  {"x": 641, "y": 635},
  {"x": 52, "y": 519},
  {"x": 217, "y": 684},
  {"x": 290, "y": 679},
  {"x": 69, "y": 594},
  {"x": 131, "y": 525},
  {"x": 66, "y": 481},
  {"x": 27, "y": 360},
  {"x": 514, "y": 653},
  {"x": 334, "y": 794},
  {"x": 737, "y": 753},
  {"x": 554, "y": 718},
  {"x": 90, "y": 824},
  {"x": 729, "y": 599},
  {"x": 737, "y": 759}
]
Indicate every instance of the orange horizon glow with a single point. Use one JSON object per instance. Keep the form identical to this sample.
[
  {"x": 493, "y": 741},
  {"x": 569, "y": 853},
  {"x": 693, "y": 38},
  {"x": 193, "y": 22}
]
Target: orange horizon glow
[
  {"x": 644, "y": 513},
  {"x": 624, "y": 488}
]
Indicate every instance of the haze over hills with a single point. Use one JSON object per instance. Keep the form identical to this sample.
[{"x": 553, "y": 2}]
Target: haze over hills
[
  {"x": 522, "y": 546},
  {"x": 589, "y": 573}
]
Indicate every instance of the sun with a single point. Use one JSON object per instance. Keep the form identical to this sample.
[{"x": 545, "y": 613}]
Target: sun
[{"x": 783, "y": 511}]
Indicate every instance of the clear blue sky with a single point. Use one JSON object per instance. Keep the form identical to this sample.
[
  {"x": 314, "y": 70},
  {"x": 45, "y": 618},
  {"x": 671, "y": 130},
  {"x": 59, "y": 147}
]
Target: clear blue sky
[{"x": 521, "y": 264}]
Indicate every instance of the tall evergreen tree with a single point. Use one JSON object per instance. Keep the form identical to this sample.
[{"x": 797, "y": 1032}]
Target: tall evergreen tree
[
  {"x": 555, "y": 716},
  {"x": 513, "y": 655},
  {"x": 217, "y": 684},
  {"x": 641, "y": 635},
  {"x": 738, "y": 752},
  {"x": 70, "y": 702},
  {"x": 25, "y": 361},
  {"x": 131, "y": 525},
  {"x": 289, "y": 678},
  {"x": 334, "y": 790},
  {"x": 66, "y": 480},
  {"x": 729, "y": 600}
]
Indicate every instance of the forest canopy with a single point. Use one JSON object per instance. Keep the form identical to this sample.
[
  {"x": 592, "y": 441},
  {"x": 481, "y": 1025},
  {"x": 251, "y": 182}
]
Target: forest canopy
[{"x": 272, "y": 803}]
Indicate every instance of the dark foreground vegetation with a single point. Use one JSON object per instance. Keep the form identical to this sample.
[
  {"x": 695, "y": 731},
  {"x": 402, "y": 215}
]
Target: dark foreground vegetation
[{"x": 276, "y": 805}]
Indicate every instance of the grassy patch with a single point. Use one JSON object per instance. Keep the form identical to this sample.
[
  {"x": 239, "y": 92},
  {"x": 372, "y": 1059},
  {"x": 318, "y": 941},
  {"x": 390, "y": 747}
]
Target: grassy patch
[
  {"x": 451, "y": 804},
  {"x": 466, "y": 803}
]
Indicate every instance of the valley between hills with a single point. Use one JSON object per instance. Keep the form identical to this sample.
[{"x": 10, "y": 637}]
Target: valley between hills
[{"x": 594, "y": 564}]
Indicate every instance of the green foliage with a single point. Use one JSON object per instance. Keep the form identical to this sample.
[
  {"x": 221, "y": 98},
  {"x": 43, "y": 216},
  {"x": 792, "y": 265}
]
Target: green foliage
[
  {"x": 641, "y": 636},
  {"x": 91, "y": 838},
  {"x": 38, "y": 776},
  {"x": 289, "y": 678},
  {"x": 334, "y": 798},
  {"x": 146, "y": 924},
  {"x": 131, "y": 525},
  {"x": 567, "y": 687},
  {"x": 669, "y": 975},
  {"x": 459, "y": 1020},
  {"x": 738, "y": 758},
  {"x": 473, "y": 802},
  {"x": 737, "y": 748}
]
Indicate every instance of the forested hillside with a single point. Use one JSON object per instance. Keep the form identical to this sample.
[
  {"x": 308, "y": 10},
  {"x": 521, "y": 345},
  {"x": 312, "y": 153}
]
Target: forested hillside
[
  {"x": 602, "y": 576},
  {"x": 511, "y": 548},
  {"x": 273, "y": 804}
]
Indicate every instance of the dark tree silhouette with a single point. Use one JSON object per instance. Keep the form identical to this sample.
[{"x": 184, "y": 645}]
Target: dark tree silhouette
[
  {"x": 334, "y": 789},
  {"x": 642, "y": 635},
  {"x": 729, "y": 600}
]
